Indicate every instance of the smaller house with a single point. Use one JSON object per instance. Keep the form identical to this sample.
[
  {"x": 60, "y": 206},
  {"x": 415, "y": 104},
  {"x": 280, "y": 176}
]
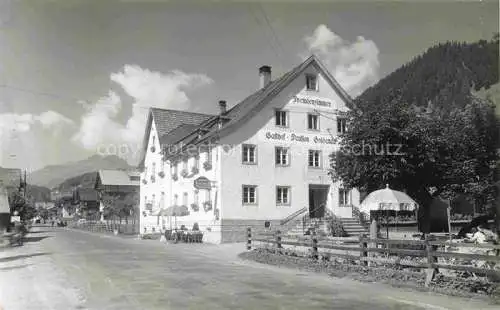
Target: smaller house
[
  {"x": 87, "y": 201},
  {"x": 116, "y": 182},
  {"x": 10, "y": 177},
  {"x": 4, "y": 209}
]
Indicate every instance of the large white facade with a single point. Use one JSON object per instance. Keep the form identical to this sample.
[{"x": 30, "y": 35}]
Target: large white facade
[
  {"x": 154, "y": 186},
  {"x": 230, "y": 202},
  {"x": 262, "y": 131}
]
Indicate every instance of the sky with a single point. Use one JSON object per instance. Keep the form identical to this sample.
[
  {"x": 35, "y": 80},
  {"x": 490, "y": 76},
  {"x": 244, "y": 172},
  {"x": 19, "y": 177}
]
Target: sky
[{"x": 77, "y": 77}]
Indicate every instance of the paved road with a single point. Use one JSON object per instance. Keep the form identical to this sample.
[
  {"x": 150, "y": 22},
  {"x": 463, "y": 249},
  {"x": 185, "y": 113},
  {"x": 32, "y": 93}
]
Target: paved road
[{"x": 107, "y": 272}]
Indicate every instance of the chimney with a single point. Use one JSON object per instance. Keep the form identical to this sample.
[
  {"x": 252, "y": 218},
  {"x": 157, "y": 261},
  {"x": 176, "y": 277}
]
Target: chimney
[
  {"x": 265, "y": 76},
  {"x": 222, "y": 106}
]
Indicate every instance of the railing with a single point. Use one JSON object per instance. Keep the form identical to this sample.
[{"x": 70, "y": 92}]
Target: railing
[
  {"x": 395, "y": 252},
  {"x": 293, "y": 216},
  {"x": 360, "y": 216}
]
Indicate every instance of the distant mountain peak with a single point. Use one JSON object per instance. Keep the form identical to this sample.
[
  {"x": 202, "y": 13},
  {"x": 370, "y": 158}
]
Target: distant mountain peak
[{"x": 52, "y": 176}]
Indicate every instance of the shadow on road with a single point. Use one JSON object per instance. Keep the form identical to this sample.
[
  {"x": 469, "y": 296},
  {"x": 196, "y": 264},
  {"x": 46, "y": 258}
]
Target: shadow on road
[
  {"x": 12, "y": 258},
  {"x": 14, "y": 267},
  {"x": 35, "y": 239},
  {"x": 40, "y": 232}
]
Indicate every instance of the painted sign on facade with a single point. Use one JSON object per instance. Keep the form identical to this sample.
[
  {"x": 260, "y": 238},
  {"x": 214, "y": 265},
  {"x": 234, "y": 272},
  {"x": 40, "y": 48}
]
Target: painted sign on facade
[
  {"x": 312, "y": 102},
  {"x": 202, "y": 183},
  {"x": 295, "y": 138}
]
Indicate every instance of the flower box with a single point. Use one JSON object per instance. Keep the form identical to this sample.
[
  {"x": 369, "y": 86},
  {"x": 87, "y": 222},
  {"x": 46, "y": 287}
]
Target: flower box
[
  {"x": 184, "y": 173},
  {"x": 161, "y": 174},
  {"x": 207, "y": 165},
  {"x": 175, "y": 177},
  {"x": 207, "y": 206},
  {"x": 194, "y": 170},
  {"x": 144, "y": 181},
  {"x": 153, "y": 179},
  {"x": 195, "y": 207},
  {"x": 153, "y": 149}
]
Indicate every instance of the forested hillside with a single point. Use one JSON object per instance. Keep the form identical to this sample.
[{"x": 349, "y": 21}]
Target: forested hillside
[{"x": 442, "y": 76}]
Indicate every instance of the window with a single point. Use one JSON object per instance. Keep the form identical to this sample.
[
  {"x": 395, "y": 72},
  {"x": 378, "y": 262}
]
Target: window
[
  {"x": 314, "y": 158},
  {"x": 185, "y": 164},
  {"x": 153, "y": 170},
  {"x": 207, "y": 195},
  {"x": 162, "y": 163},
  {"x": 343, "y": 197},
  {"x": 209, "y": 155},
  {"x": 174, "y": 167},
  {"x": 153, "y": 200},
  {"x": 281, "y": 118},
  {"x": 185, "y": 199},
  {"x": 176, "y": 199},
  {"x": 313, "y": 121},
  {"x": 162, "y": 199},
  {"x": 249, "y": 154},
  {"x": 195, "y": 197},
  {"x": 153, "y": 140},
  {"x": 197, "y": 162},
  {"x": 249, "y": 194},
  {"x": 341, "y": 125},
  {"x": 145, "y": 200},
  {"x": 283, "y": 195},
  {"x": 311, "y": 82},
  {"x": 281, "y": 156}
]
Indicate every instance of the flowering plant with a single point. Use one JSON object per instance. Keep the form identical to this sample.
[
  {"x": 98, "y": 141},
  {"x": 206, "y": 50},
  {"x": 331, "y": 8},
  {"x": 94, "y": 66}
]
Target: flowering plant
[{"x": 207, "y": 165}]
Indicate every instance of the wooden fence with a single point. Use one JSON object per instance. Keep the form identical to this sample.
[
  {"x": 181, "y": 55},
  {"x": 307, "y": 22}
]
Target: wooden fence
[
  {"x": 396, "y": 252},
  {"x": 105, "y": 227}
]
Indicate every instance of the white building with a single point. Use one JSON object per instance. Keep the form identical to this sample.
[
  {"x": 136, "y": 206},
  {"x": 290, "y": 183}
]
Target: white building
[{"x": 260, "y": 161}]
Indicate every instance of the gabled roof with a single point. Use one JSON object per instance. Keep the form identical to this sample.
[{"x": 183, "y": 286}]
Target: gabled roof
[
  {"x": 166, "y": 121},
  {"x": 10, "y": 177},
  {"x": 118, "y": 177},
  {"x": 251, "y": 105}
]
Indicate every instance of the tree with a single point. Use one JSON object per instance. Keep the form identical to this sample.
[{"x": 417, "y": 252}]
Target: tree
[{"x": 452, "y": 152}]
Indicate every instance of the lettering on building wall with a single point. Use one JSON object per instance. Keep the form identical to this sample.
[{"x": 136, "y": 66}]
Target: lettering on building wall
[
  {"x": 299, "y": 138},
  {"x": 315, "y": 102}
]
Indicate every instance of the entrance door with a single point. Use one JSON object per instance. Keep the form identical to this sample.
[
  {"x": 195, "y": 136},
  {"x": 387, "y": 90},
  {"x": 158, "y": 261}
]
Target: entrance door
[{"x": 318, "y": 195}]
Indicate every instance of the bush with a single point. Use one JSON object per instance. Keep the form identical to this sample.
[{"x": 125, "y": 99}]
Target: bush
[{"x": 335, "y": 228}]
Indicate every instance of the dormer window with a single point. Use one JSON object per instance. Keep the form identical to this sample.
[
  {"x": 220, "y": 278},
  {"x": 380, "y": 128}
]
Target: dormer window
[{"x": 311, "y": 82}]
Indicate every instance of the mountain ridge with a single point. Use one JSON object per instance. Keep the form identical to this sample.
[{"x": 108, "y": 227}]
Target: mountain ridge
[{"x": 53, "y": 175}]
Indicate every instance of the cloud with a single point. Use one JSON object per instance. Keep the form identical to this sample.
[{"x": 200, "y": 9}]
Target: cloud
[
  {"x": 20, "y": 132},
  {"x": 355, "y": 65},
  {"x": 25, "y": 122},
  {"x": 147, "y": 88}
]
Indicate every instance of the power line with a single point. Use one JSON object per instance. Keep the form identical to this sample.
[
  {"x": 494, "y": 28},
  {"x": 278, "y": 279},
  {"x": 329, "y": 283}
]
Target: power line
[
  {"x": 271, "y": 27},
  {"x": 272, "y": 42},
  {"x": 54, "y": 95}
]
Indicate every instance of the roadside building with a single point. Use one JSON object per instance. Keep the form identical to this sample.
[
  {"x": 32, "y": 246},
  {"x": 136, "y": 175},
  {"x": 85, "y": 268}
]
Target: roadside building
[
  {"x": 115, "y": 183},
  {"x": 87, "y": 201},
  {"x": 4, "y": 209},
  {"x": 263, "y": 160}
]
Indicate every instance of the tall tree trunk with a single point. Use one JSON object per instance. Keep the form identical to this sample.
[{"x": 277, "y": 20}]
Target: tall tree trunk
[{"x": 424, "y": 200}]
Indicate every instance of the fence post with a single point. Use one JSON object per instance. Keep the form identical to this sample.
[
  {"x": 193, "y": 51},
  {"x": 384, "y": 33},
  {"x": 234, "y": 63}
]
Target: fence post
[
  {"x": 431, "y": 259},
  {"x": 363, "y": 252},
  {"x": 278, "y": 240},
  {"x": 249, "y": 238},
  {"x": 314, "y": 244}
]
